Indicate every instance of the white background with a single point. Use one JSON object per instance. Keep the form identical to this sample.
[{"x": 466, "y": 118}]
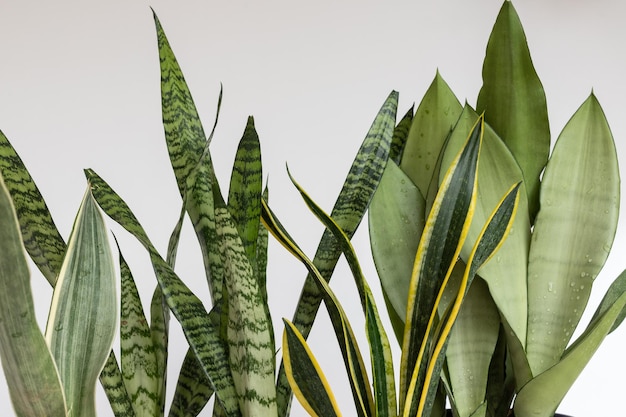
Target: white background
[{"x": 79, "y": 88}]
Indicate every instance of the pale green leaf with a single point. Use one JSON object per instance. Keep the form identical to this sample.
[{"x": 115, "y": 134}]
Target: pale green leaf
[
  {"x": 573, "y": 232},
  {"x": 34, "y": 384},
  {"x": 83, "y": 314}
]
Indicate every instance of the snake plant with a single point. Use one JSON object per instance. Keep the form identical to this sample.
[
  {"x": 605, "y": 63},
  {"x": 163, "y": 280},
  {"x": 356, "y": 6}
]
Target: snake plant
[{"x": 520, "y": 315}]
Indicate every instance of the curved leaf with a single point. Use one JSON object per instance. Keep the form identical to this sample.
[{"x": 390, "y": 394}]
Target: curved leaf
[
  {"x": 34, "y": 384},
  {"x": 83, "y": 314},
  {"x": 513, "y": 100},
  {"x": 41, "y": 238},
  {"x": 573, "y": 233}
]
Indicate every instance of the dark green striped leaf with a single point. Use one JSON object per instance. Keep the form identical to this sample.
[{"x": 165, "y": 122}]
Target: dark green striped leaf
[
  {"x": 193, "y": 389},
  {"x": 306, "y": 377},
  {"x": 348, "y": 212},
  {"x": 400, "y": 137},
  {"x": 201, "y": 333},
  {"x": 41, "y": 238},
  {"x": 114, "y": 388}
]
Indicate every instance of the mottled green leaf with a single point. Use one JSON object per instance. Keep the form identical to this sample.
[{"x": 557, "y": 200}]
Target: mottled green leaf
[
  {"x": 400, "y": 136},
  {"x": 202, "y": 334},
  {"x": 573, "y": 232},
  {"x": 41, "y": 238},
  {"x": 83, "y": 314},
  {"x": 348, "y": 211},
  {"x": 193, "y": 389},
  {"x": 34, "y": 384},
  {"x": 305, "y": 376},
  {"x": 513, "y": 100},
  {"x": 114, "y": 388}
]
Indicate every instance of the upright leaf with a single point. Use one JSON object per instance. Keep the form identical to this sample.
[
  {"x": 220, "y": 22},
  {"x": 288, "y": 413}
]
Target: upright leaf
[
  {"x": 83, "y": 314},
  {"x": 513, "y": 100},
  {"x": 29, "y": 368},
  {"x": 580, "y": 206}
]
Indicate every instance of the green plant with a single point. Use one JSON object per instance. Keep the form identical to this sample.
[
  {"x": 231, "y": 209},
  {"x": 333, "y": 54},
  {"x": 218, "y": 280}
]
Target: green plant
[{"x": 520, "y": 315}]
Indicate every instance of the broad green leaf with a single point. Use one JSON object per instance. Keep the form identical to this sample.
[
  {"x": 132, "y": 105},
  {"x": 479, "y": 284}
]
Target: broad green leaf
[
  {"x": 193, "y": 389},
  {"x": 305, "y": 376},
  {"x": 183, "y": 130},
  {"x": 139, "y": 365},
  {"x": 202, "y": 333},
  {"x": 471, "y": 347},
  {"x": 114, "y": 388},
  {"x": 353, "y": 360},
  {"x": 396, "y": 220},
  {"x": 251, "y": 349},
  {"x": 439, "y": 247},
  {"x": 348, "y": 211},
  {"x": 41, "y": 238},
  {"x": 83, "y": 314},
  {"x": 513, "y": 100},
  {"x": 434, "y": 118},
  {"x": 506, "y": 275},
  {"x": 34, "y": 384},
  {"x": 573, "y": 232},
  {"x": 542, "y": 395}
]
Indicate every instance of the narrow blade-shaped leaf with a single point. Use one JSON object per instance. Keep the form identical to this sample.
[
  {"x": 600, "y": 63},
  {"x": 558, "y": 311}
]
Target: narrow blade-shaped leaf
[
  {"x": 193, "y": 389},
  {"x": 114, "y": 388},
  {"x": 249, "y": 333},
  {"x": 348, "y": 211},
  {"x": 41, "y": 238},
  {"x": 83, "y": 314},
  {"x": 184, "y": 133},
  {"x": 507, "y": 274},
  {"x": 513, "y": 100},
  {"x": 305, "y": 376},
  {"x": 439, "y": 247},
  {"x": 573, "y": 233},
  {"x": 400, "y": 137},
  {"x": 139, "y": 365},
  {"x": 34, "y": 384},
  {"x": 352, "y": 357}
]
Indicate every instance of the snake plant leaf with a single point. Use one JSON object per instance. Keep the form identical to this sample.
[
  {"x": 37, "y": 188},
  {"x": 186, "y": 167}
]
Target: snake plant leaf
[
  {"x": 193, "y": 389},
  {"x": 244, "y": 194},
  {"x": 139, "y": 365},
  {"x": 159, "y": 328},
  {"x": 42, "y": 240},
  {"x": 506, "y": 275},
  {"x": 114, "y": 388},
  {"x": 184, "y": 133},
  {"x": 434, "y": 118},
  {"x": 470, "y": 349},
  {"x": 541, "y": 396},
  {"x": 352, "y": 357},
  {"x": 202, "y": 333},
  {"x": 305, "y": 376},
  {"x": 513, "y": 100},
  {"x": 437, "y": 252},
  {"x": 396, "y": 220},
  {"x": 400, "y": 136},
  {"x": 380, "y": 350},
  {"x": 573, "y": 232},
  {"x": 617, "y": 288},
  {"x": 34, "y": 384},
  {"x": 251, "y": 348},
  {"x": 488, "y": 243},
  {"x": 83, "y": 314},
  {"x": 350, "y": 206}
]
